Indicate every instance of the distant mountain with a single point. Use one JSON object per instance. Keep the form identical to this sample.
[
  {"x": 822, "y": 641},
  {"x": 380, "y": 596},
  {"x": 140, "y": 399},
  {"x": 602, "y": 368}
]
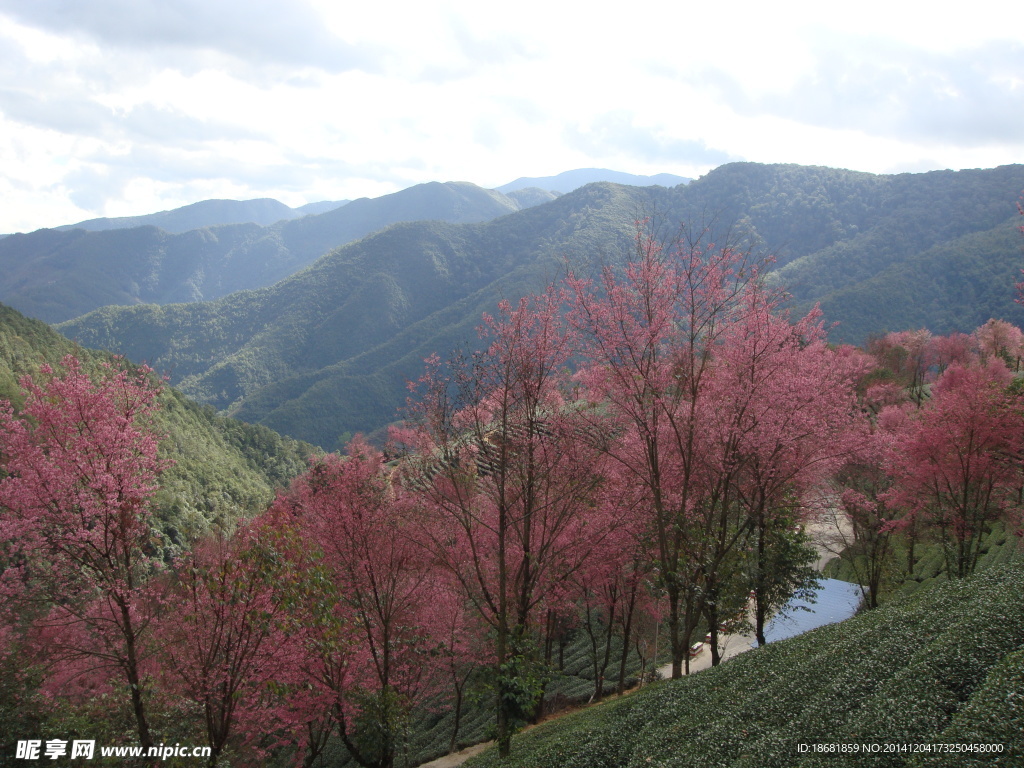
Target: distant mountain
[
  {"x": 321, "y": 207},
  {"x": 567, "y": 181},
  {"x": 56, "y": 275},
  {"x": 326, "y": 352},
  {"x": 209, "y": 213},
  {"x": 527, "y": 197}
]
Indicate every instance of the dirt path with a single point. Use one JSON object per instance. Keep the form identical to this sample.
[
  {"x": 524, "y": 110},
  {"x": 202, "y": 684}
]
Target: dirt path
[
  {"x": 457, "y": 758},
  {"x": 730, "y": 645},
  {"x": 829, "y": 533}
]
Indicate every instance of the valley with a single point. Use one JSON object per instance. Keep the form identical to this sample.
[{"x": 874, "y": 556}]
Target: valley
[{"x": 877, "y": 253}]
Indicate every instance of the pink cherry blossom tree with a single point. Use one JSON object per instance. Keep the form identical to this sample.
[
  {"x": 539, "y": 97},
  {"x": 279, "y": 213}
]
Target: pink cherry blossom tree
[
  {"x": 648, "y": 335},
  {"x": 998, "y": 338},
  {"x": 864, "y": 484},
  {"x": 906, "y": 356},
  {"x": 226, "y": 633},
  {"x": 958, "y": 465},
  {"x": 350, "y": 514},
  {"x": 506, "y": 473},
  {"x": 81, "y": 467},
  {"x": 782, "y": 422},
  {"x": 612, "y": 589}
]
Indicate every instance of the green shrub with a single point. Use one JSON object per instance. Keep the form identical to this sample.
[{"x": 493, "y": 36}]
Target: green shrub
[{"x": 936, "y": 666}]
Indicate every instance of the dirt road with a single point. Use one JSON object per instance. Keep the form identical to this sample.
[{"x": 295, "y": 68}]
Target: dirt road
[{"x": 829, "y": 532}]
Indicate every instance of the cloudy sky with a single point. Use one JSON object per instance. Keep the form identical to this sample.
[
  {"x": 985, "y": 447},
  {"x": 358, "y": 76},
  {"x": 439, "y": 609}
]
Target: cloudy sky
[{"x": 122, "y": 107}]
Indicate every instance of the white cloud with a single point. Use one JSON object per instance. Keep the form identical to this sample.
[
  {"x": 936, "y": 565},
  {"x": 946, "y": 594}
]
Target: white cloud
[
  {"x": 256, "y": 32},
  {"x": 971, "y": 97},
  {"x": 118, "y": 107}
]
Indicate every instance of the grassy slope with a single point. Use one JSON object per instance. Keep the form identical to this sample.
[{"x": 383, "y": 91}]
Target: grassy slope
[{"x": 943, "y": 665}]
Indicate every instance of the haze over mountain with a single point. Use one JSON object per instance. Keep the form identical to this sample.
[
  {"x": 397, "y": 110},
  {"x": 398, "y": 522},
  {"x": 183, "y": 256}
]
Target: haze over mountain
[
  {"x": 210, "y": 213},
  {"x": 567, "y": 181},
  {"x": 56, "y": 275},
  {"x": 266, "y": 211},
  {"x": 241, "y": 245},
  {"x": 327, "y": 351}
]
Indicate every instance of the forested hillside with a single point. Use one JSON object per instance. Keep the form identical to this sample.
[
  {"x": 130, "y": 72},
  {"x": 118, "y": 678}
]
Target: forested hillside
[
  {"x": 222, "y": 470},
  {"x": 933, "y": 250},
  {"x": 56, "y": 275},
  {"x": 326, "y": 352}
]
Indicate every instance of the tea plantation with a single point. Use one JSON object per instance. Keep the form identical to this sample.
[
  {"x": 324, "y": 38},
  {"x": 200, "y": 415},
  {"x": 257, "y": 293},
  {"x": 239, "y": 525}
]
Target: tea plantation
[{"x": 944, "y": 666}]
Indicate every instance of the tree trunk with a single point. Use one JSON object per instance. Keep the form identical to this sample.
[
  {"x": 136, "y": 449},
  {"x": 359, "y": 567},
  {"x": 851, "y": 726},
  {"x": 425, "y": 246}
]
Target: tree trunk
[
  {"x": 678, "y": 650},
  {"x": 458, "y": 715},
  {"x": 132, "y": 673},
  {"x": 627, "y": 633},
  {"x": 759, "y": 602}
]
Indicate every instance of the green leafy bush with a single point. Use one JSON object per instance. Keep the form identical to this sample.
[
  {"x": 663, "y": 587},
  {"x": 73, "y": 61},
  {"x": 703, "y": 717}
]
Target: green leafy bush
[{"x": 941, "y": 665}]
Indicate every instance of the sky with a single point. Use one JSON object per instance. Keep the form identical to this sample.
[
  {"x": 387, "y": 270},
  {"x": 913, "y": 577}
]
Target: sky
[{"x": 126, "y": 107}]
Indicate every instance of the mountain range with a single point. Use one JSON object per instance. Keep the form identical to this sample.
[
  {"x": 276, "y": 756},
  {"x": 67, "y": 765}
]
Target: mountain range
[
  {"x": 210, "y": 213},
  {"x": 266, "y": 211},
  {"x": 327, "y": 351},
  {"x": 211, "y": 248},
  {"x": 57, "y": 275},
  {"x": 357, "y": 323}
]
